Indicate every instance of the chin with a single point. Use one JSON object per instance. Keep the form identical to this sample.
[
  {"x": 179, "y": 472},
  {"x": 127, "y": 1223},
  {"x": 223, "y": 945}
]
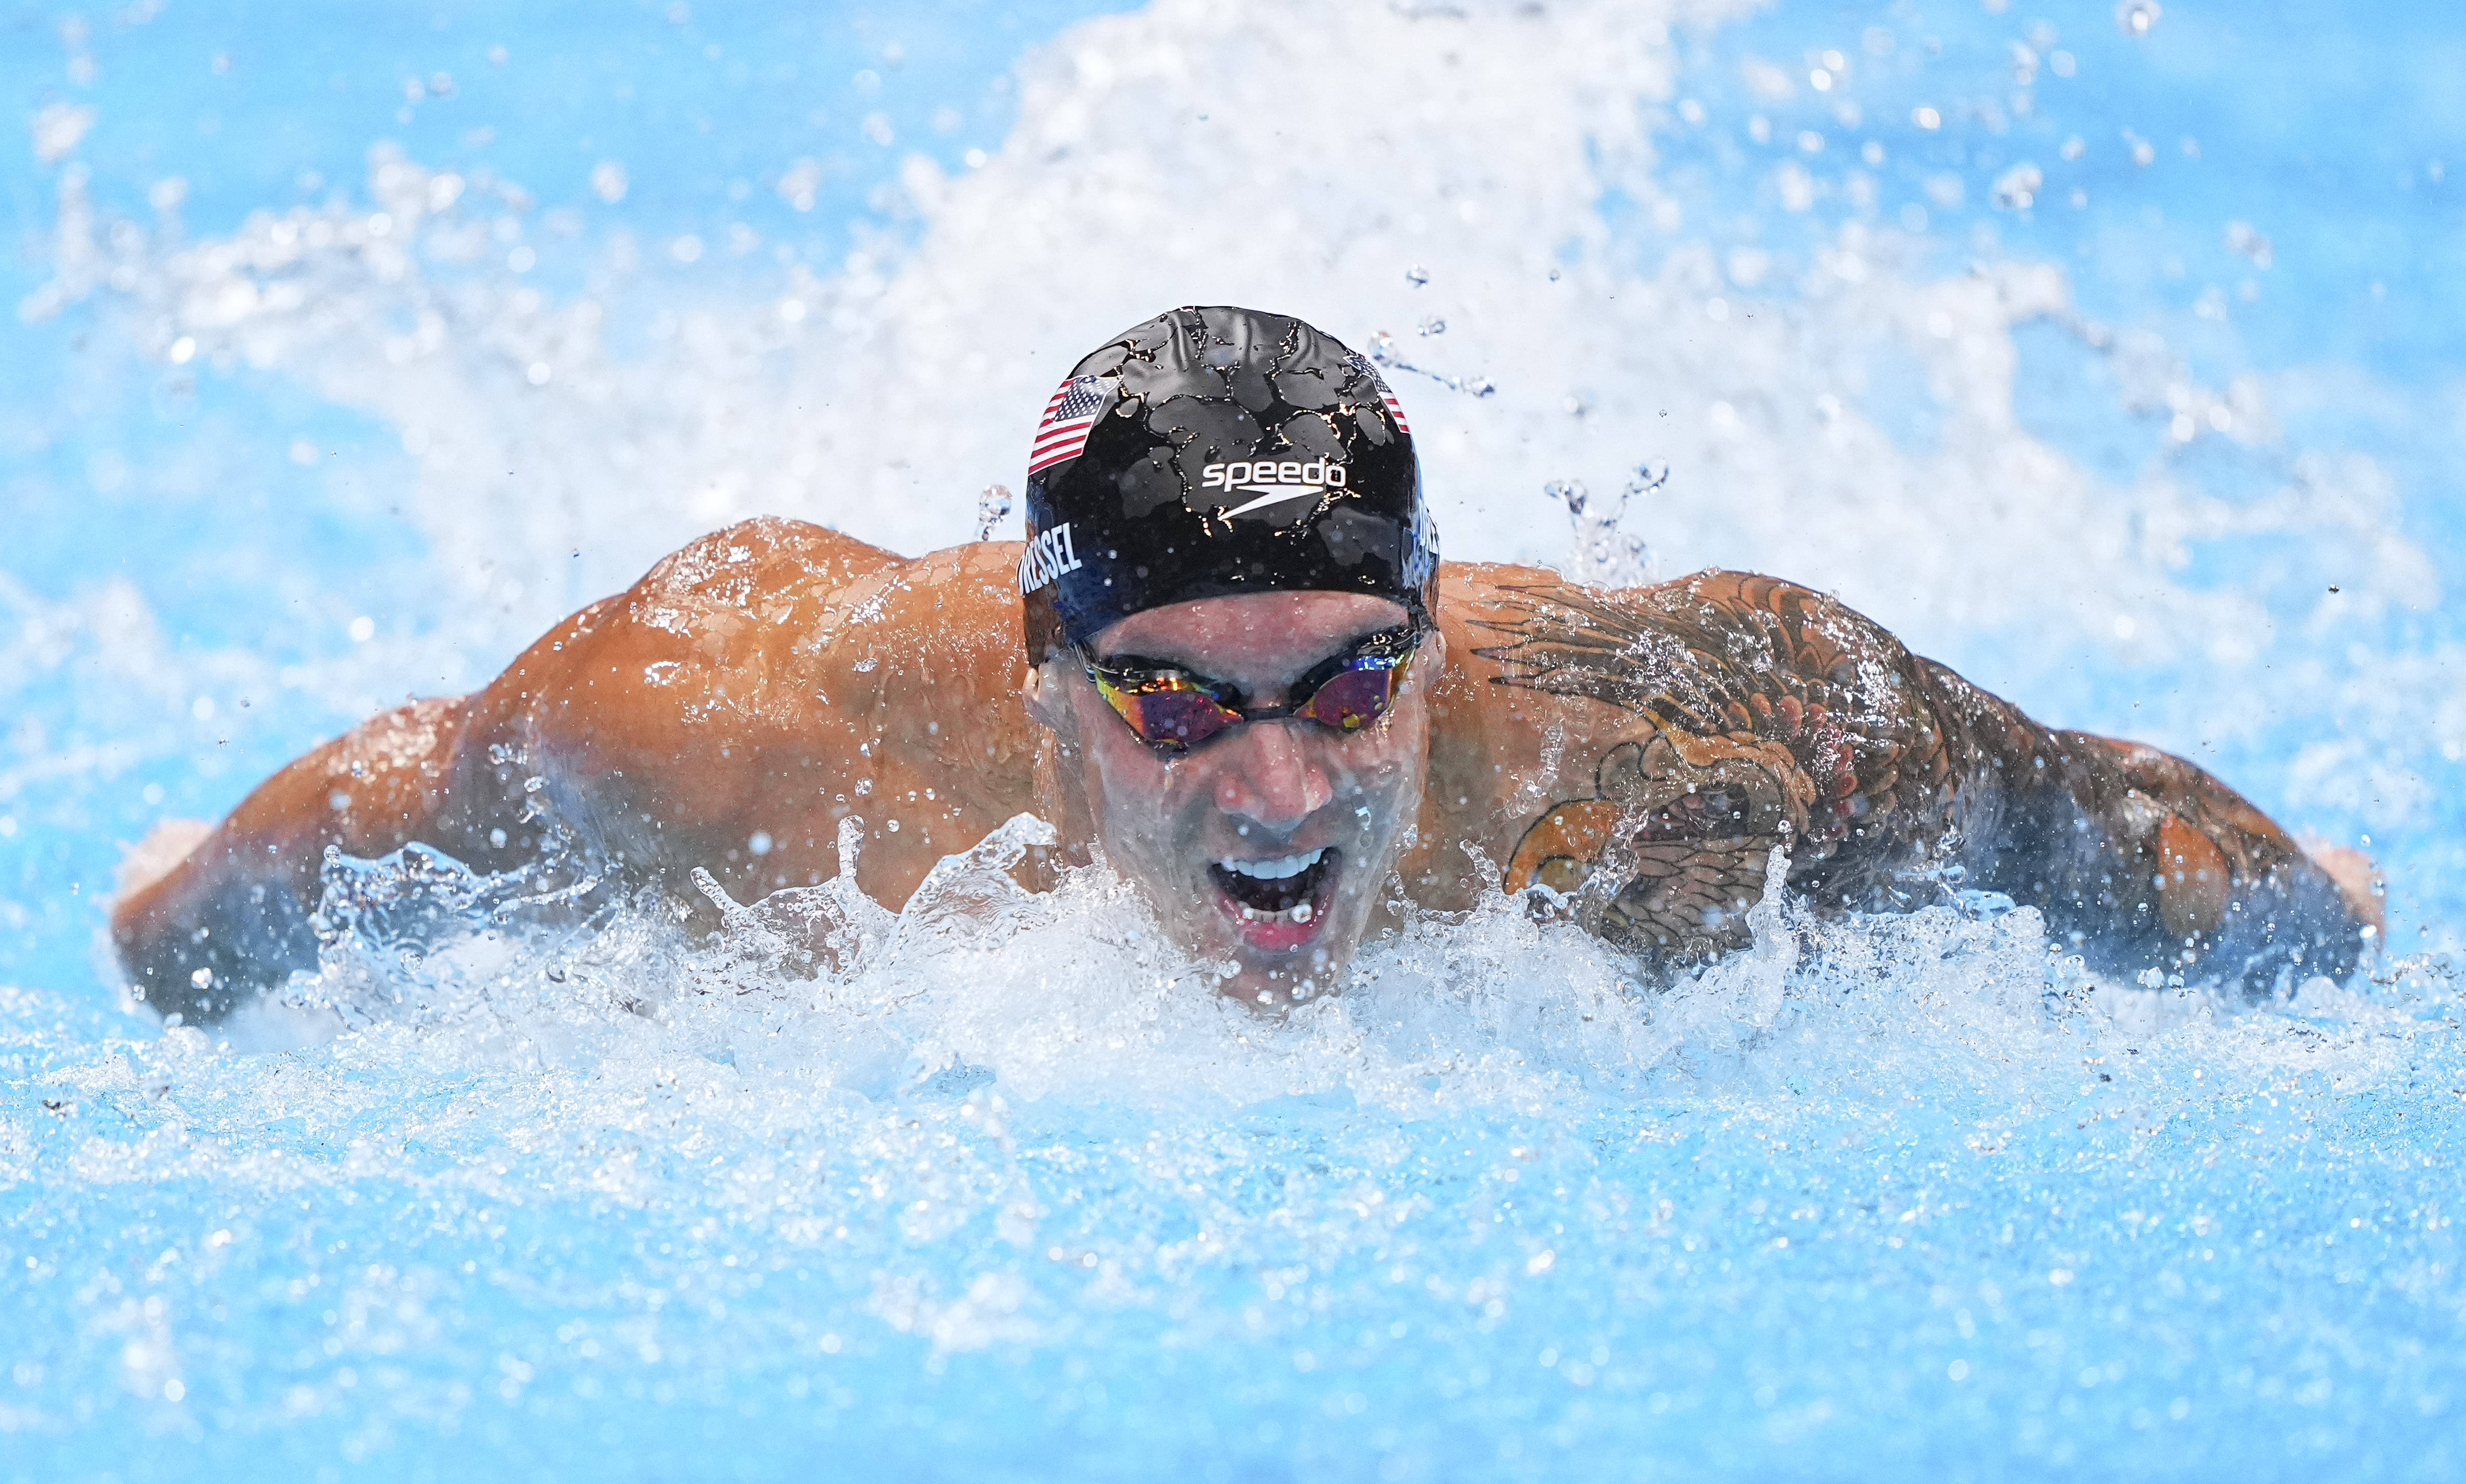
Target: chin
[{"x": 1309, "y": 970}]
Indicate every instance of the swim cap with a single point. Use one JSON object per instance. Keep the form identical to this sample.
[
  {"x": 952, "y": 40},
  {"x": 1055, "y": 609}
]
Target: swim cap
[{"x": 1211, "y": 452}]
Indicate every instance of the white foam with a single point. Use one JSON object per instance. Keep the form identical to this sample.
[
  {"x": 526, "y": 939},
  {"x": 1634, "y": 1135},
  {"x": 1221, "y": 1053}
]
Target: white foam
[
  {"x": 1073, "y": 997},
  {"x": 585, "y": 1156},
  {"x": 1183, "y": 154}
]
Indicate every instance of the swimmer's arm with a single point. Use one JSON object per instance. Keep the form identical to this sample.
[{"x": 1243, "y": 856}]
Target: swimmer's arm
[
  {"x": 733, "y": 711},
  {"x": 231, "y": 917},
  {"x": 234, "y": 917},
  {"x": 2142, "y": 859},
  {"x": 632, "y": 714},
  {"x": 1806, "y": 724},
  {"x": 1678, "y": 734}
]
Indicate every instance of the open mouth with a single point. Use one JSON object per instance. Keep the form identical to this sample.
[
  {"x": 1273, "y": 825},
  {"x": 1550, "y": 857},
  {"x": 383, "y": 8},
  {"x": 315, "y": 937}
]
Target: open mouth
[{"x": 1278, "y": 903}]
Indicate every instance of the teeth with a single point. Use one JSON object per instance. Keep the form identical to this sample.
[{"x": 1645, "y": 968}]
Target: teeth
[
  {"x": 1275, "y": 870},
  {"x": 1300, "y": 912}
]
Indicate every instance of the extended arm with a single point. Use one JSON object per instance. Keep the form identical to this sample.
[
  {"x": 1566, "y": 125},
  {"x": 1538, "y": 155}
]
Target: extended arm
[
  {"x": 2141, "y": 858},
  {"x": 1751, "y": 713},
  {"x": 751, "y": 691},
  {"x": 232, "y": 918}
]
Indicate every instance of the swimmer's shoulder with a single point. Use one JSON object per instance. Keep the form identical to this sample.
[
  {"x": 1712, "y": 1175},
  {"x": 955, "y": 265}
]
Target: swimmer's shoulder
[
  {"x": 722, "y": 626},
  {"x": 771, "y": 563},
  {"x": 1714, "y": 601},
  {"x": 768, "y": 614},
  {"x": 1705, "y": 639},
  {"x": 765, "y": 561},
  {"x": 770, "y": 590}
]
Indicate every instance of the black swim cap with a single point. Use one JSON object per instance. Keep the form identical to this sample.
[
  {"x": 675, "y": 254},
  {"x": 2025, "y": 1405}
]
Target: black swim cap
[{"x": 1213, "y": 451}]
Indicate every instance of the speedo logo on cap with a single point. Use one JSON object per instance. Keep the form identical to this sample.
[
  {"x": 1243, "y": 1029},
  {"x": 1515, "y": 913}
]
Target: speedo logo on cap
[{"x": 1271, "y": 481}]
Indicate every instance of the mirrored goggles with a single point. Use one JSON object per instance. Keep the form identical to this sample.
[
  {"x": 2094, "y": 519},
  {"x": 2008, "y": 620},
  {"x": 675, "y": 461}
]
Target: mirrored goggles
[{"x": 1173, "y": 709}]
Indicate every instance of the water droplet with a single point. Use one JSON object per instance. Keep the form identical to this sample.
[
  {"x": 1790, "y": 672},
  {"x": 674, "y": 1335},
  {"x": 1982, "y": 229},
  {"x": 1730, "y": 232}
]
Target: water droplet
[{"x": 993, "y": 507}]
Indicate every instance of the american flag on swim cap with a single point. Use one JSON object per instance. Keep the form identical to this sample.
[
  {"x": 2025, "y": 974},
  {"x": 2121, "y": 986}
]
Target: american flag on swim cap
[
  {"x": 1395, "y": 408},
  {"x": 1069, "y": 414}
]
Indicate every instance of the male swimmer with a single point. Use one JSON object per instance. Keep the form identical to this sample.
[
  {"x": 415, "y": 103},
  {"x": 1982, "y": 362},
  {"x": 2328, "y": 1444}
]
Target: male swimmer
[{"x": 1254, "y": 691}]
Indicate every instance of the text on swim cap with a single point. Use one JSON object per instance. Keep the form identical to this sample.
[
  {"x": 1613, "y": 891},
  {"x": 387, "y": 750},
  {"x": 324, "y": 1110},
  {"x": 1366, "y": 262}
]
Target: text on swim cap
[
  {"x": 1263, "y": 475},
  {"x": 1048, "y": 556}
]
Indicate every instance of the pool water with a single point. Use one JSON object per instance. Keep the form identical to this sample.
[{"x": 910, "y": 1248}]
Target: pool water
[{"x": 2105, "y": 356}]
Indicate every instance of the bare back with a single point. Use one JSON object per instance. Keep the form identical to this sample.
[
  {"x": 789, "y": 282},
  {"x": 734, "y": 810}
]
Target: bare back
[{"x": 1639, "y": 753}]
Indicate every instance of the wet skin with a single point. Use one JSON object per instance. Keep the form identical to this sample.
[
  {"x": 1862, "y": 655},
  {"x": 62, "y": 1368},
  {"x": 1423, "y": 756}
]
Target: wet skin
[
  {"x": 1640, "y": 753},
  {"x": 1180, "y": 824}
]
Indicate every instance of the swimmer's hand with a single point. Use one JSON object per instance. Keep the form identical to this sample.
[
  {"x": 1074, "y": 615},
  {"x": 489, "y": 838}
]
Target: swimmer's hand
[
  {"x": 150, "y": 859},
  {"x": 2358, "y": 880}
]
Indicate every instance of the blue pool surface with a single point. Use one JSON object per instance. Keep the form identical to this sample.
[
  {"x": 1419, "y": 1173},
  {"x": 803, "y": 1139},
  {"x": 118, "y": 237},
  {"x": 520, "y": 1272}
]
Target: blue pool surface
[{"x": 2105, "y": 353}]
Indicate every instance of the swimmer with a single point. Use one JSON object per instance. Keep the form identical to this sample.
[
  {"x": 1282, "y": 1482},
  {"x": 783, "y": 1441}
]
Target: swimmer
[{"x": 1251, "y": 687}]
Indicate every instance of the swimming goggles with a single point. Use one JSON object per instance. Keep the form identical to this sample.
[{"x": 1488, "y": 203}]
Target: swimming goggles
[{"x": 1171, "y": 709}]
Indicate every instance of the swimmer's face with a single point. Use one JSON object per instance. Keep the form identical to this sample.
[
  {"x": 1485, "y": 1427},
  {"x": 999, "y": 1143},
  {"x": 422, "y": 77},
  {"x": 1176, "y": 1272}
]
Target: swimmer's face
[{"x": 1269, "y": 843}]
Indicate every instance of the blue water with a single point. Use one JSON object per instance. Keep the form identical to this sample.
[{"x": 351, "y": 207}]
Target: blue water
[{"x": 1878, "y": 1198}]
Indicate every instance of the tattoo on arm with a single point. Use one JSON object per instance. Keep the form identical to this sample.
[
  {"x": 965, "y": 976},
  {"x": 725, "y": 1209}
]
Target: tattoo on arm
[
  {"x": 1768, "y": 714},
  {"x": 2139, "y": 858}
]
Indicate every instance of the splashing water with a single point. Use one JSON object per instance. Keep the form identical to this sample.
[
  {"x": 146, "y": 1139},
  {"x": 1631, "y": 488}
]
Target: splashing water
[
  {"x": 533, "y": 1178},
  {"x": 1000, "y": 1177},
  {"x": 1606, "y": 551}
]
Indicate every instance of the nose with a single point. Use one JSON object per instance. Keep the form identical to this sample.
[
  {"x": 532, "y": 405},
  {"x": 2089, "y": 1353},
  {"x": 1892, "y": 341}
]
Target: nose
[{"x": 1269, "y": 778}]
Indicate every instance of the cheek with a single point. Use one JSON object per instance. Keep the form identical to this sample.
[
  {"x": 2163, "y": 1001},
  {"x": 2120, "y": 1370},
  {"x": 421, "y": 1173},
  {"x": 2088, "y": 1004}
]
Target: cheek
[
  {"x": 1392, "y": 762},
  {"x": 1140, "y": 802},
  {"x": 1383, "y": 774},
  {"x": 1404, "y": 766}
]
